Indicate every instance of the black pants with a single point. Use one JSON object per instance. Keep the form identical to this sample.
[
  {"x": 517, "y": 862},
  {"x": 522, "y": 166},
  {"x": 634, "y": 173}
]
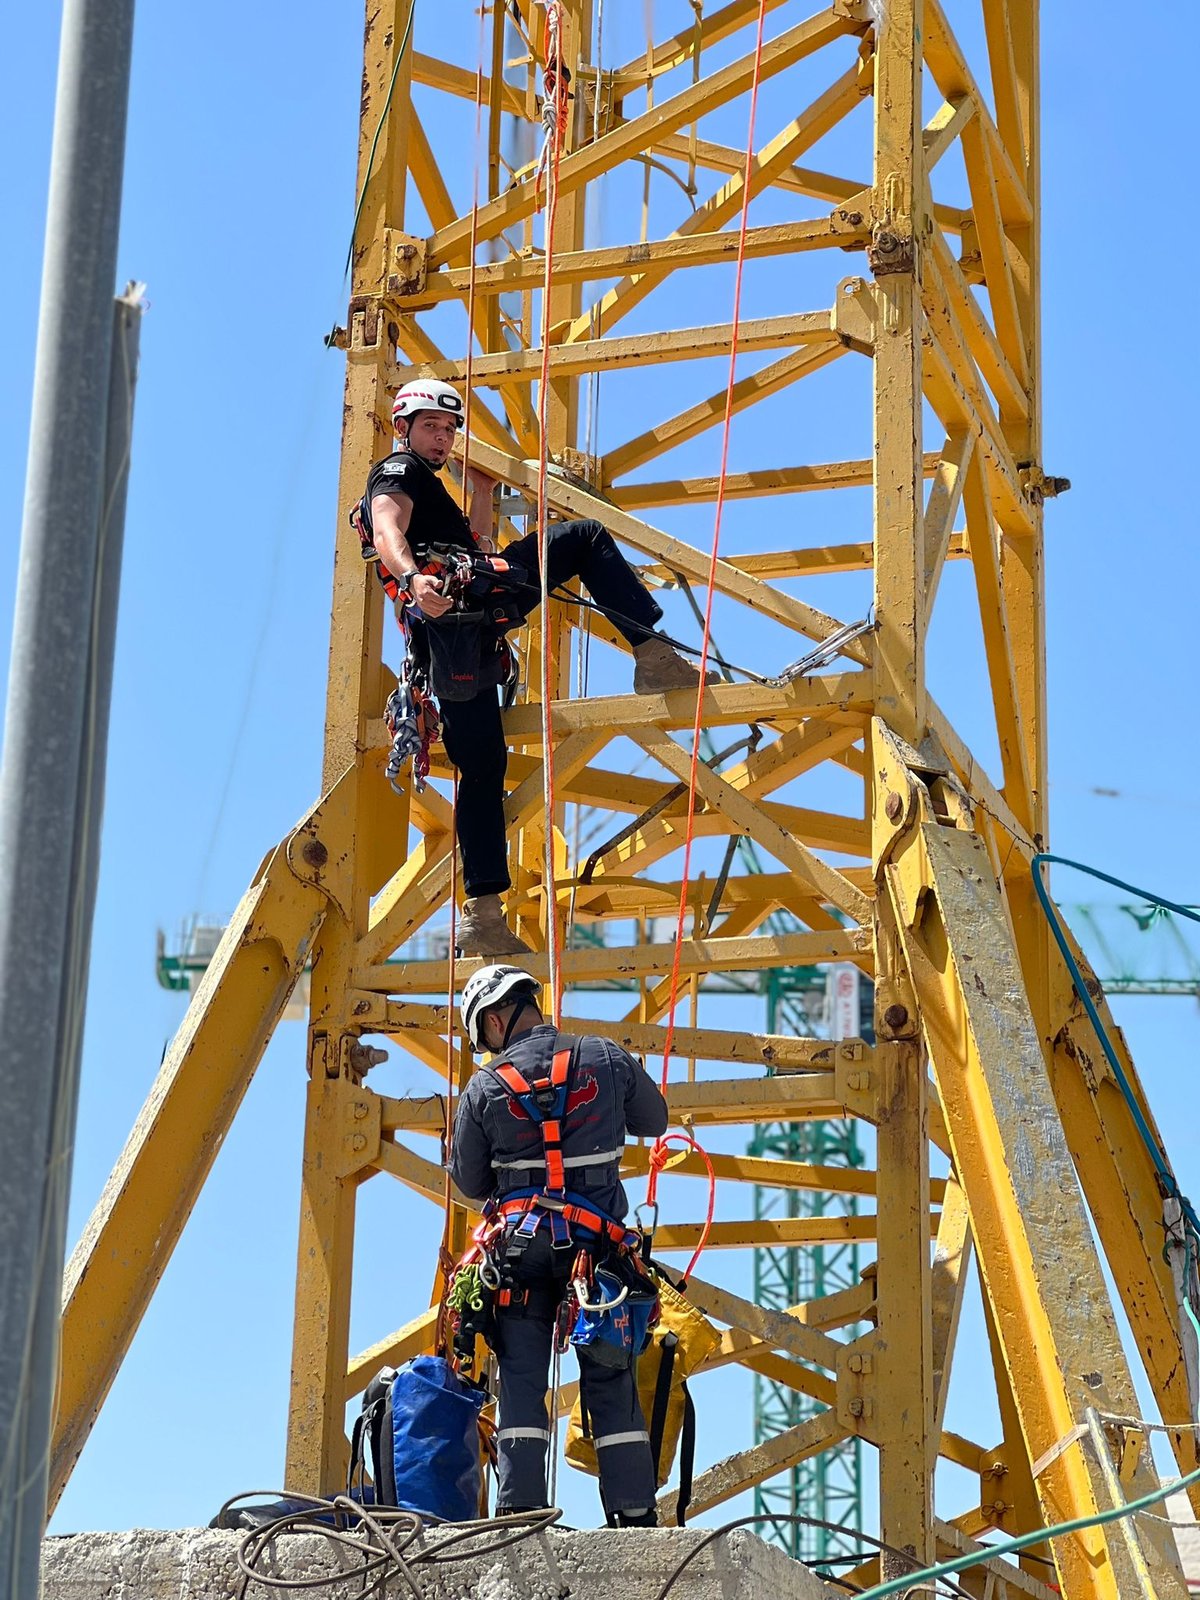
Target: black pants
[
  {"x": 522, "y": 1342},
  {"x": 471, "y": 729}
]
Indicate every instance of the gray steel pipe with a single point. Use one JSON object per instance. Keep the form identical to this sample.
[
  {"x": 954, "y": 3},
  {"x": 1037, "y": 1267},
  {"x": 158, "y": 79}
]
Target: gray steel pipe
[{"x": 56, "y": 722}]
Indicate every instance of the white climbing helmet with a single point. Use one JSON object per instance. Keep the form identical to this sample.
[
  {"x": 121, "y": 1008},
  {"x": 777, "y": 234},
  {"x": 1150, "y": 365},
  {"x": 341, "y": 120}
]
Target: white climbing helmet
[
  {"x": 492, "y": 986},
  {"x": 428, "y": 394}
]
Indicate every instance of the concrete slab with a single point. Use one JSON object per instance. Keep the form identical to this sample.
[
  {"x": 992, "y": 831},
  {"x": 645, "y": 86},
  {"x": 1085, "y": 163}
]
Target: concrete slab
[{"x": 621, "y": 1564}]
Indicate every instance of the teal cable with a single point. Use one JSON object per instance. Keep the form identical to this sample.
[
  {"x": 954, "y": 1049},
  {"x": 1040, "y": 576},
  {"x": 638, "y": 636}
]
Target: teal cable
[
  {"x": 1009, "y": 1547},
  {"x": 412, "y": 11},
  {"x": 1157, "y": 1154}
]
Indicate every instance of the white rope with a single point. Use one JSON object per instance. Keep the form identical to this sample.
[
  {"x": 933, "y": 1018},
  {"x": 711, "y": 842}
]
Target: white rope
[{"x": 555, "y": 1385}]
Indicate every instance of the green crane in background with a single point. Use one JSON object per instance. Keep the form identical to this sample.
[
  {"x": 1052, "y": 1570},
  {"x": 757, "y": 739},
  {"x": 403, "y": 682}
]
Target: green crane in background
[{"x": 829, "y": 1487}]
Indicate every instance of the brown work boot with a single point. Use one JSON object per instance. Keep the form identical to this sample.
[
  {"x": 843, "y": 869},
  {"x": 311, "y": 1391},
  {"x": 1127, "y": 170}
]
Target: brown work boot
[
  {"x": 658, "y": 667},
  {"x": 482, "y": 930}
]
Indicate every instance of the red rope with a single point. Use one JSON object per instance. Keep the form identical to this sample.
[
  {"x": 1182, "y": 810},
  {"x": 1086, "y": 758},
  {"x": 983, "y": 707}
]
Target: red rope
[
  {"x": 452, "y": 979},
  {"x": 658, "y": 1152},
  {"x": 451, "y": 989},
  {"x": 471, "y": 281},
  {"x": 557, "y": 94},
  {"x": 689, "y": 834},
  {"x": 446, "y": 1262}
]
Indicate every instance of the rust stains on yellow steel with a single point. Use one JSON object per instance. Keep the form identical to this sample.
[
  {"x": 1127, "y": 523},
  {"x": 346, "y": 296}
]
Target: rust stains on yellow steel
[{"x": 998, "y": 1131}]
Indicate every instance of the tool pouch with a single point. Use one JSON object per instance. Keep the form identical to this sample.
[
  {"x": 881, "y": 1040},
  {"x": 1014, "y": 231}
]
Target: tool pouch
[
  {"x": 616, "y": 1337},
  {"x": 466, "y": 655}
]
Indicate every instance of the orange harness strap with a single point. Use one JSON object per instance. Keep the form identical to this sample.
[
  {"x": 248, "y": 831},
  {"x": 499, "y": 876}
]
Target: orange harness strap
[{"x": 549, "y": 1116}]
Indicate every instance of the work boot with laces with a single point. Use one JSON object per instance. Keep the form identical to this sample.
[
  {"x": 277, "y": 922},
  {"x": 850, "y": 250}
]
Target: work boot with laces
[
  {"x": 482, "y": 930},
  {"x": 658, "y": 667}
]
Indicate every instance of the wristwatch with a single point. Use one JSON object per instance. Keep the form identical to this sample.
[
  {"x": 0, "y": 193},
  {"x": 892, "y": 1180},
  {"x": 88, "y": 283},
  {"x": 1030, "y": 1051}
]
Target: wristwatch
[{"x": 404, "y": 580}]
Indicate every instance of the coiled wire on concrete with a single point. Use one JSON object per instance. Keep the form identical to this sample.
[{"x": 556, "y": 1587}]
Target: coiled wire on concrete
[{"x": 385, "y": 1542}]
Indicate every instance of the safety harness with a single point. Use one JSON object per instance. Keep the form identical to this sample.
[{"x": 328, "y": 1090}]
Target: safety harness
[
  {"x": 544, "y": 1102},
  {"x": 614, "y": 1325}
]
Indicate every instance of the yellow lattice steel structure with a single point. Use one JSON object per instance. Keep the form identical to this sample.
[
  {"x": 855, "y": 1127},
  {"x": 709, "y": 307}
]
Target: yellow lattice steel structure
[{"x": 983, "y": 1053}]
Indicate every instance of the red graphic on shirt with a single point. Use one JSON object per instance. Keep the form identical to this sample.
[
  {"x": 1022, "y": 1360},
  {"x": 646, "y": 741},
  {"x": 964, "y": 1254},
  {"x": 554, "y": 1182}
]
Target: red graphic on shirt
[{"x": 584, "y": 1092}]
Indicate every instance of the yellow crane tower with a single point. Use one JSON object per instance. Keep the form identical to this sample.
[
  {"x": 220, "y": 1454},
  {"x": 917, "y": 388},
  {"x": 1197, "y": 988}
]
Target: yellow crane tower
[{"x": 984, "y": 1058}]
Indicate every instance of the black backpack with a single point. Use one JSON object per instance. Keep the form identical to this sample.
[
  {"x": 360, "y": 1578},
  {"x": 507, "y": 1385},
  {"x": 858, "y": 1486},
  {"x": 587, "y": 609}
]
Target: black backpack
[{"x": 373, "y": 1433}]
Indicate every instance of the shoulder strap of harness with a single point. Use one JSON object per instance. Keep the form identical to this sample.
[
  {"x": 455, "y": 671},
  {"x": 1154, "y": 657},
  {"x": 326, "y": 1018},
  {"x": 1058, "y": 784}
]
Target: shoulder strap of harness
[
  {"x": 544, "y": 1102},
  {"x": 359, "y": 518}
]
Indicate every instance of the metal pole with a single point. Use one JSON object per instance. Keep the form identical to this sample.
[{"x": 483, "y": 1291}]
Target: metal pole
[{"x": 56, "y": 720}]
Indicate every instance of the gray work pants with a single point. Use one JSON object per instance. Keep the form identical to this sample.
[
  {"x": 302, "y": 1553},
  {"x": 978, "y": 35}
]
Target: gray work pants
[{"x": 522, "y": 1343}]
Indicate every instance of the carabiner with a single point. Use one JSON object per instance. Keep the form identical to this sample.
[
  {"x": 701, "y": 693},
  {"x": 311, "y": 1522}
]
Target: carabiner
[{"x": 598, "y": 1305}]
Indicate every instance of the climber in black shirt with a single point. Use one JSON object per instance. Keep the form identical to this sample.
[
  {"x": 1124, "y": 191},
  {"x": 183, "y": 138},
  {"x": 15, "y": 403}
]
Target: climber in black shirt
[{"x": 406, "y": 509}]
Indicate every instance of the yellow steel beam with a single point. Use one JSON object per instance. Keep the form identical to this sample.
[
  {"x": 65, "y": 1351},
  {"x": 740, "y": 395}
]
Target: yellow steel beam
[
  {"x": 411, "y": 1340},
  {"x": 746, "y": 1468},
  {"x": 809, "y": 1097},
  {"x": 708, "y": 30},
  {"x": 944, "y": 127},
  {"x": 1035, "y": 1248},
  {"x": 1118, "y": 1175},
  {"x": 984, "y": 539},
  {"x": 131, "y": 1234},
  {"x": 707, "y": 413},
  {"x": 776, "y": 156},
  {"x": 810, "y": 562},
  {"x": 944, "y": 499},
  {"x": 772, "y": 1174},
  {"x": 778, "y": 1052},
  {"x": 434, "y": 73},
  {"x": 633, "y": 350},
  {"x": 944, "y": 274},
  {"x": 849, "y": 194},
  {"x": 525, "y": 272},
  {"x": 449, "y": 245},
  {"x": 752, "y": 485},
  {"x": 954, "y": 78},
  {"x": 749, "y": 818},
  {"x": 646, "y": 960}
]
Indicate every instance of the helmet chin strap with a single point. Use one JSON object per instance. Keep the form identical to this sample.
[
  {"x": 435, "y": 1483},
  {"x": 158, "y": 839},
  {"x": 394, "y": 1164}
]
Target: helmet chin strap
[
  {"x": 519, "y": 1011},
  {"x": 434, "y": 466}
]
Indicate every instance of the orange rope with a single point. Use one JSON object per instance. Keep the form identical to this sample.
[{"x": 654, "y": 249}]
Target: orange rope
[
  {"x": 659, "y": 1153},
  {"x": 556, "y": 88}
]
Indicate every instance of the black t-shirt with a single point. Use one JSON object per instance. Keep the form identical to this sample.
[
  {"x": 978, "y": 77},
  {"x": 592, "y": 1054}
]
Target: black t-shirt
[{"x": 436, "y": 516}]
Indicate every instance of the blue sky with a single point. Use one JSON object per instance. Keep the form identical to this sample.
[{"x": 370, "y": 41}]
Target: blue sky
[{"x": 238, "y": 200}]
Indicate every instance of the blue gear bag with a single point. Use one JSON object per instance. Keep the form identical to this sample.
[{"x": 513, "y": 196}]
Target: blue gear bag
[{"x": 435, "y": 1440}]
